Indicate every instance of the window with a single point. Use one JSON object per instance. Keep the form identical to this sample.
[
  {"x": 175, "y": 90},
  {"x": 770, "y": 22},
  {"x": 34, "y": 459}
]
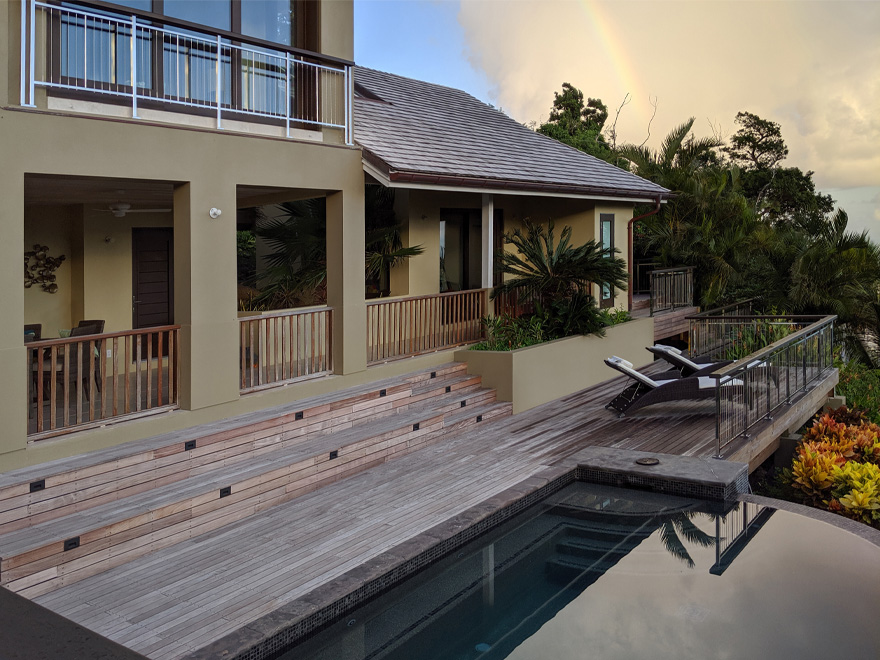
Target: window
[{"x": 606, "y": 239}]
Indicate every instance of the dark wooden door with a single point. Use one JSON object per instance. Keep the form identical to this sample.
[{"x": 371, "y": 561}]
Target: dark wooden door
[{"x": 152, "y": 277}]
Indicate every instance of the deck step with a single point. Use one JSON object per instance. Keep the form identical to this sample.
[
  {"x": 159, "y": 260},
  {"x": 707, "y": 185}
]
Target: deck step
[
  {"x": 81, "y": 542},
  {"x": 35, "y": 495}
]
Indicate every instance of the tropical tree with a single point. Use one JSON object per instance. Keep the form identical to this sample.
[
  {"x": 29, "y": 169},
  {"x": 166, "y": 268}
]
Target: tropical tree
[
  {"x": 296, "y": 268},
  {"x": 557, "y": 277},
  {"x": 578, "y": 124}
]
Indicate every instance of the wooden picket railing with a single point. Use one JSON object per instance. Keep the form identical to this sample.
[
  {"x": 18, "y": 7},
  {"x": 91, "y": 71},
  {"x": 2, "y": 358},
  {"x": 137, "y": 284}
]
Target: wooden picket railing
[
  {"x": 82, "y": 382},
  {"x": 285, "y": 346},
  {"x": 513, "y": 303},
  {"x": 400, "y": 327}
]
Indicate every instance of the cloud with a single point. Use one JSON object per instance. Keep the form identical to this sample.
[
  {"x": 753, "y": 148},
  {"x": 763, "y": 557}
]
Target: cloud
[{"x": 813, "y": 67}]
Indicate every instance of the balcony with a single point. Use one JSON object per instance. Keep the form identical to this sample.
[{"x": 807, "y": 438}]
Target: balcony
[{"x": 85, "y": 51}]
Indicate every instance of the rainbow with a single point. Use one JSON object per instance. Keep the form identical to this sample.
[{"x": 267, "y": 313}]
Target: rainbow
[{"x": 614, "y": 45}]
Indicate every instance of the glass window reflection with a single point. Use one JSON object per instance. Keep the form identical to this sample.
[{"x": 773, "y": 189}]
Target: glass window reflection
[
  {"x": 271, "y": 20},
  {"x": 215, "y": 13}
]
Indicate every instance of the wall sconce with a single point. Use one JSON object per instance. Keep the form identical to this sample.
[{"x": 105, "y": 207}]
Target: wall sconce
[{"x": 215, "y": 213}]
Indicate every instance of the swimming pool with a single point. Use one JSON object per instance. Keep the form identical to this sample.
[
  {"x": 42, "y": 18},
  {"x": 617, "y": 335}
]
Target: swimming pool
[{"x": 600, "y": 572}]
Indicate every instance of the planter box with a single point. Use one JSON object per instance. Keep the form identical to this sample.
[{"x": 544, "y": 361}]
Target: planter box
[{"x": 531, "y": 376}]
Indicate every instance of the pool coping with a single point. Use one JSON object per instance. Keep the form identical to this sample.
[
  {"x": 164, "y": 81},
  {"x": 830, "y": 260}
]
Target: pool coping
[{"x": 274, "y": 633}]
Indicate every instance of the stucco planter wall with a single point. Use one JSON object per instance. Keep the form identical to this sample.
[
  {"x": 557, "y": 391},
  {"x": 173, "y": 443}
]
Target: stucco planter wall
[{"x": 531, "y": 376}]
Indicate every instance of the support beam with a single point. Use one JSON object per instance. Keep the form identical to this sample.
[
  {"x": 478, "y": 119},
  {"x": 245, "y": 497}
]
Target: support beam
[
  {"x": 13, "y": 357},
  {"x": 345, "y": 279},
  {"x": 205, "y": 292},
  {"x": 488, "y": 218}
]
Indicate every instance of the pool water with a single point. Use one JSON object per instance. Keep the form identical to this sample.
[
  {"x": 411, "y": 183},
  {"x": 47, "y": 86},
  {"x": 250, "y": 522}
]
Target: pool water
[{"x": 599, "y": 572}]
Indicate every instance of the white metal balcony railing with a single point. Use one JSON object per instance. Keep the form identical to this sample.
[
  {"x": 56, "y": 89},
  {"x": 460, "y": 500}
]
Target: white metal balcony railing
[{"x": 92, "y": 50}]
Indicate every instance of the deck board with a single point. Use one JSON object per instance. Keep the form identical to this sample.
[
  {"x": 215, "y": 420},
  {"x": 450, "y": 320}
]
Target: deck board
[{"x": 181, "y": 598}]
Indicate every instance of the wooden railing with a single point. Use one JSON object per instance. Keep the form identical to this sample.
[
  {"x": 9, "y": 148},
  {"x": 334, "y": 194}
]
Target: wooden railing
[
  {"x": 401, "y": 327},
  {"x": 511, "y": 303},
  {"x": 285, "y": 346},
  {"x": 84, "y": 381},
  {"x": 671, "y": 288}
]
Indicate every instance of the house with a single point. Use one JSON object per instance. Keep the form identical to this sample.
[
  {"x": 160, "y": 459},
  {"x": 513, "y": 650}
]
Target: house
[
  {"x": 132, "y": 132},
  {"x": 465, "y": 173}
]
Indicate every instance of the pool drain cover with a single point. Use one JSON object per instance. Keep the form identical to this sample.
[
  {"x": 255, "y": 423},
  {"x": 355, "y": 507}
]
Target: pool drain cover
[{"x": 647, "y": 461}]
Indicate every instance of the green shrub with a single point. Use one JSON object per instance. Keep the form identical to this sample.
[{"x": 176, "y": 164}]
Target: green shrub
[
  {"x": 507, "y": 333},
  {"x": 861, "y": 386}
]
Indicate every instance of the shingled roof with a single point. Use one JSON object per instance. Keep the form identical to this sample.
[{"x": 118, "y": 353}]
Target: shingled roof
[{"x": 417, "y": 132}]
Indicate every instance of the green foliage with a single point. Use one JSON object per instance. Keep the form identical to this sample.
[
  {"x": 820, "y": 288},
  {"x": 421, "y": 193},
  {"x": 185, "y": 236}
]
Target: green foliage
[
  {"x": 755, "y": 336},
  {"x": 757, "y": 144},
  {"x": 614, "y": 316},
  {"x": 296, "y": 267},
  {"x": 837, "y": 467},
  {"x": 542, "y": 270},
  {"x": 861, "y": 386},
  {"x": 246, "y": 255},
  {"x": 576, "y": 314},
  {"x": 576, "y": 124},
  {"x": 507, "y": 333}
]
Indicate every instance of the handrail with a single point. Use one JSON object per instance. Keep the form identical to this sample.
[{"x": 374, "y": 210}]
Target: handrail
[
  {"x": 162, "y": 61},
  {"x": 715, "y": 311},
  {"x": 287, "y": 312},
  {"x": 779, "y": 343},
  {"x": 427, "y": 296},
  {"x": 753, "y": 388},
  {"x": 48, "y": 343},
  {"x": 283, "y": 347},
  {"x": 671, "y": 288},
  {"x": 83, "y": 381},
  {"x": 412, "y": 325},
  {"x": 123, "y": 12}
]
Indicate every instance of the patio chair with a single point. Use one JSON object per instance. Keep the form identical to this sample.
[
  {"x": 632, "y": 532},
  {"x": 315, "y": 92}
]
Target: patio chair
[
  {"x": 685, "y": 365},
  {"x": 98, "y": 324},
  {"x": 33, "y": 330},
  {"x": 82, "y": 347},
  {"x": 645, "y": 391}
]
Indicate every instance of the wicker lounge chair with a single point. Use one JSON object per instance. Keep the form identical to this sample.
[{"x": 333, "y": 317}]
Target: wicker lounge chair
[
  {"x": 645, "y": 391},
  {"x": 685, "y": 365}
]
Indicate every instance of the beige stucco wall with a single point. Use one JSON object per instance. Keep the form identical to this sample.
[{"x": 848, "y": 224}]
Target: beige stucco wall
[
  {"x": 337, "y": 28},
  {"x": 207, "y": 167},
  {"x": 531, "y": 376},
  {"x": 419, "y": 213},
  {"x": 54, "y": 227}
]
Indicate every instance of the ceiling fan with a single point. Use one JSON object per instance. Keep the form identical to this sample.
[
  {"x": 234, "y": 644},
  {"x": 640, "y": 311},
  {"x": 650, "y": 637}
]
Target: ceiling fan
[{"x": 121, "y": 209}]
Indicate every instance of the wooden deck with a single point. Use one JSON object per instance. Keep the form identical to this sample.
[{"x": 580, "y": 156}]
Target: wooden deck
[
  {"x": 179, "y": 599},
  {"x": 667, "y": 323}
]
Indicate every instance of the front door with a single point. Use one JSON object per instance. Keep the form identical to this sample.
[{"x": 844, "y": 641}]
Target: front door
[{"x": 152, "y": 277}]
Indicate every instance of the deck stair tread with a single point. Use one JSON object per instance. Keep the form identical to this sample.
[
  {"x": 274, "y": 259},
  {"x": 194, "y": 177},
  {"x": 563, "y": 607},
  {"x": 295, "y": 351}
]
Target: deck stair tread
[
  {"x": 244, "y": 470},
  {"x": 139, "y": 471},
  {"x": 333, "y": 399},
  {"x": 427, "y": 407}
]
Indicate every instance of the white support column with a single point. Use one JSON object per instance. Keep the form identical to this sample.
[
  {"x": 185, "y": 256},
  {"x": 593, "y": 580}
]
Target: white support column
[{"x": 488, "y": 268}]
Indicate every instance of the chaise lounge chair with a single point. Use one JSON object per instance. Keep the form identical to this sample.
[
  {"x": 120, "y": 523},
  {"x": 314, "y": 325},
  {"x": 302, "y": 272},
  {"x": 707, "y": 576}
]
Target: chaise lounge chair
[
  {"x": 684, "y": 365},
  {"x": 645, "y": 391}
]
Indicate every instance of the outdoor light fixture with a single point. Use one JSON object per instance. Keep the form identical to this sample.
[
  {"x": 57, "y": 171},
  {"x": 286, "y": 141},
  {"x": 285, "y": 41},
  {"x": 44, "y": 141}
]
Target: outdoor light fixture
[{"x": 215, "y": 213}]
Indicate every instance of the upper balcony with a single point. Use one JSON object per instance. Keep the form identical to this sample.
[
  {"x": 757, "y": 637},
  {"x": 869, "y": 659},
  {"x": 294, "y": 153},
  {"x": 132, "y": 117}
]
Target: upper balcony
[{"x": 84, "y": 56}]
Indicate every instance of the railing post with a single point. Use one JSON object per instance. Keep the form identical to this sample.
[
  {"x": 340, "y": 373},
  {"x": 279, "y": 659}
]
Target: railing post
[
  {"x": 33, "y": 50},
  {"x": 219, "y": 94},
  {"x": 718, "y": 418},
  {"x": 287, "y": 94},
  {"x": 134, "y": 71}
]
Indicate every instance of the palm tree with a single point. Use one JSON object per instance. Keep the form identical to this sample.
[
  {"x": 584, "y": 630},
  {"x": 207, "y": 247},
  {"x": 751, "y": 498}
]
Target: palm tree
[
  {"x": 682, "y": 524},
  {"x": 556, "y": 277},
  {"x": 296, "y": 269}
]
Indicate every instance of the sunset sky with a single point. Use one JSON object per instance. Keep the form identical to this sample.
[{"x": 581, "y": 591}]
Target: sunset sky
[{"x": 811, "y": 66}]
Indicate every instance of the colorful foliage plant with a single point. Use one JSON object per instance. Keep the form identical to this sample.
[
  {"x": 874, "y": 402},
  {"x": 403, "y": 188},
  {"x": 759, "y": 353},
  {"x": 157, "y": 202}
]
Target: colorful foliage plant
[{"x": 837, "y": 466}]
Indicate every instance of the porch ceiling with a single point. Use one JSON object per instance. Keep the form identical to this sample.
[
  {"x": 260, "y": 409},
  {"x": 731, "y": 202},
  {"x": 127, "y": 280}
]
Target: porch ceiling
[
  {"x": 54, "y": 190},
  {"x": 46, "y": 189}
]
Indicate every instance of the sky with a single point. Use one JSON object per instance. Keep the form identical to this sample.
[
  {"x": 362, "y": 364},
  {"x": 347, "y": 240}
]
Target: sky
[{"x": 813, "y": 66}]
